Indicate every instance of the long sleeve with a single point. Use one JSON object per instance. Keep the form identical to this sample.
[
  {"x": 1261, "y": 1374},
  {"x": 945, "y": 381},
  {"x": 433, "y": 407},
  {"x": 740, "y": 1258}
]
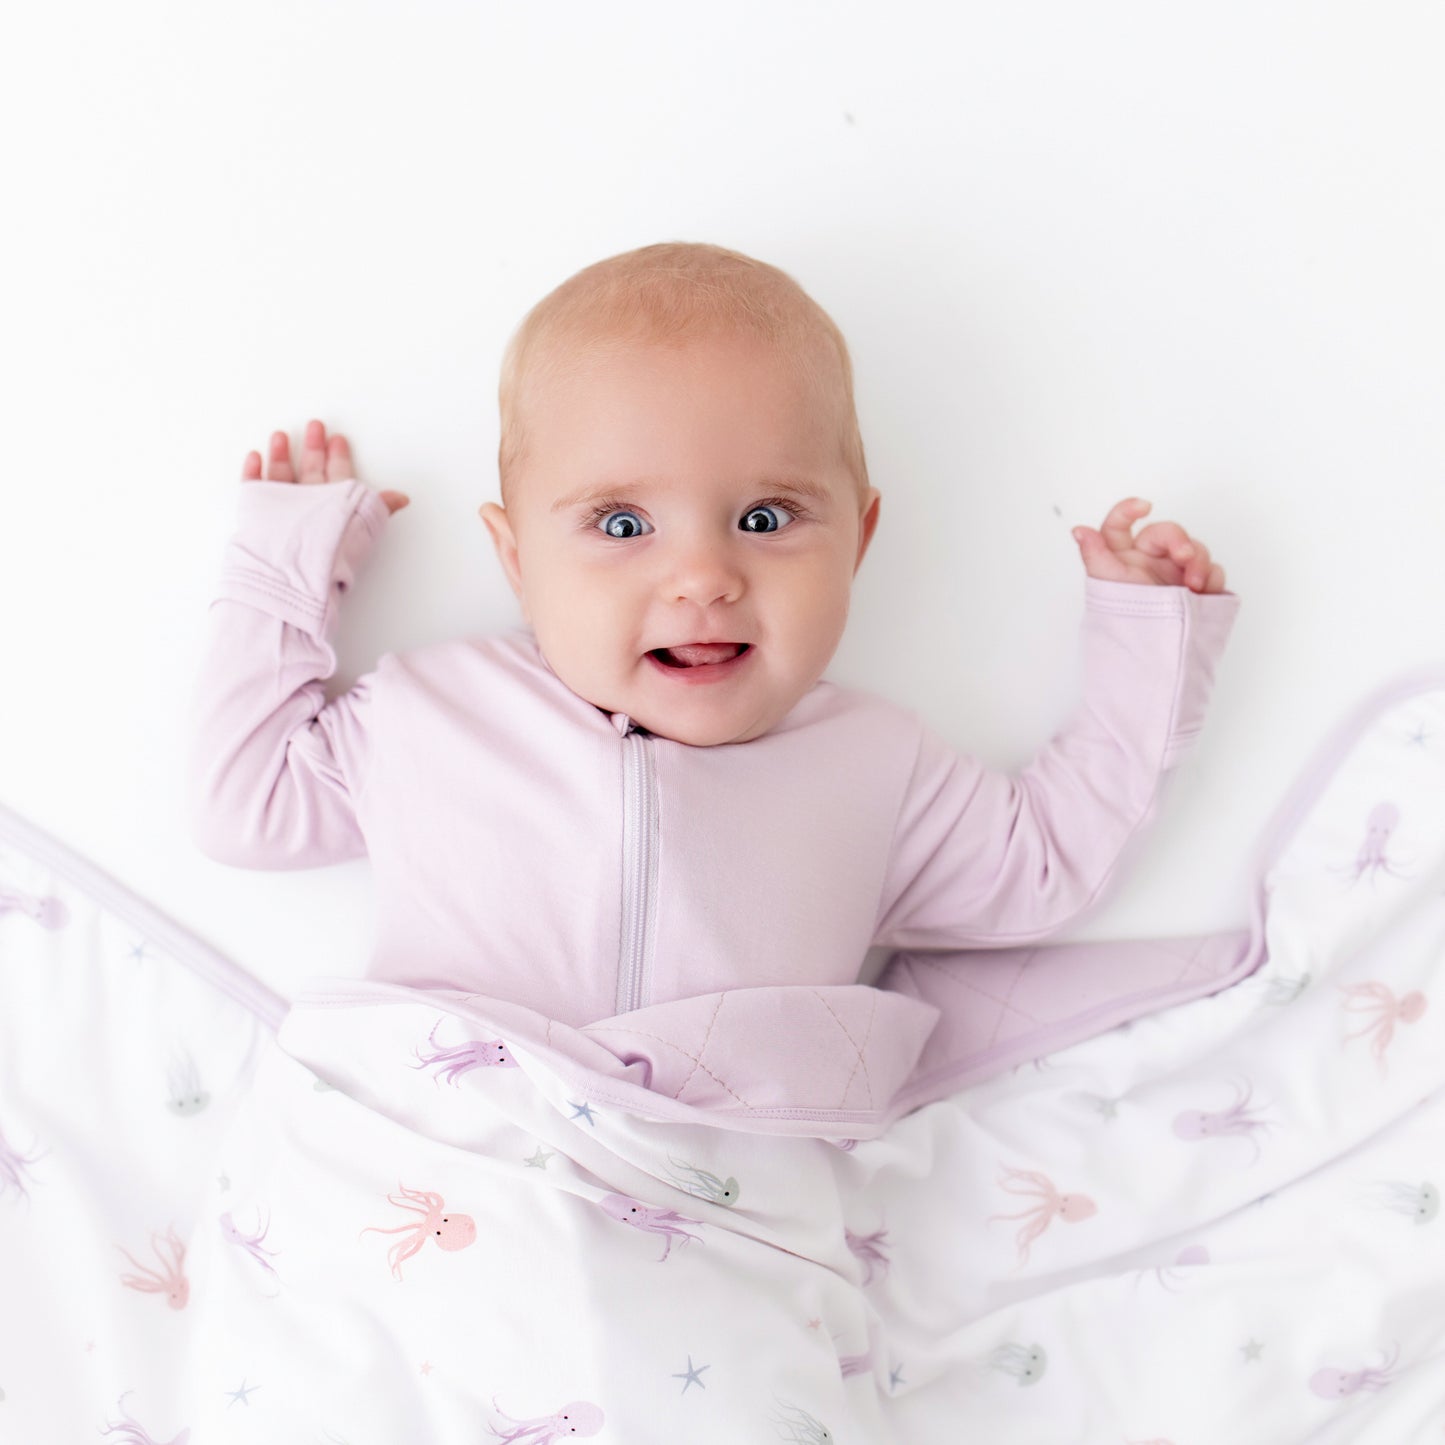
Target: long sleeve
[
  {"x": 988, "y": 858},
  {"x": 274, "y": 769}
]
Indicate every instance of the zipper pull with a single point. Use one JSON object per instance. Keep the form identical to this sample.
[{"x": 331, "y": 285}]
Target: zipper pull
[
  {"x": 47, "y": 912},
  {"x": 622, "y": 723}
]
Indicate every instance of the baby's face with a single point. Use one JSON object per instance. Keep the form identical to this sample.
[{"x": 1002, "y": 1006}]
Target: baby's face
[{"x": 674, "y": 506}]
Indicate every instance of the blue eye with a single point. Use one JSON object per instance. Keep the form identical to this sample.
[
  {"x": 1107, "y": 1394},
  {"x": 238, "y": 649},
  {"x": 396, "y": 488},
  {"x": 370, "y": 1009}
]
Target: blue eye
[
  {"x": 766, "y": 519},
  {"x": 623, "y": 524}
]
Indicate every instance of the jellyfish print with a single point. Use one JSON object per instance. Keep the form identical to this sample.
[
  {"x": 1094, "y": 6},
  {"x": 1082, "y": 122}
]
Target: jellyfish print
[
  {"x": 1026, "y": 1363},
  {"x": 14, "y": 1167},
  {"x": 1335, "y": 1384},
  {"x": 1377, "y": 999},
  {"x": 1238, "y": 1119},
  {"x": 1419, "y": 1202},
  {"x": 1051, "y": 1205},
  {"x": 452, "y": 1063},
  {"x": 185, "y": 1094},
  {"x": 170, "y": 1279},
  {"x": 251, "y": 1243},
  {"x": 798, "y": 1427},
  {"x": 131, "y": 1432},
  {"x": 574, "y": 1421},
  {"x": 451, "y": 1231},
  {"x": 703, "y": 1185},
  {"x": 871, "y": 1249},
  {"x": 1281, "y": 991},
  {"x": 648, "y": 1219},
  {"x": 49, "y": 912}
]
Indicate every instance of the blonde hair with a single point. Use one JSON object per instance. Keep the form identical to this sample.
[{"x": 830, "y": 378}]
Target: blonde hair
[{"x": 669, "y": 293}]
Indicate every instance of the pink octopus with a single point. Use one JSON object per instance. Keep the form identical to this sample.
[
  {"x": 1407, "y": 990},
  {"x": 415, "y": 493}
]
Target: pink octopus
[
  {"x": 1334, "y": 1384},
  {"x": 1237, "y": 1119},
  {"x": 251, "y": 1243},
  {"x": 1071, "y": 1208},
  {"x": 13, "y": 1168},
  {"x": 649, "y": 1219},
  {"x": 170, "y": 1280},
  {"x": 870, "y": 1248},
  {"x": 451, "y": 1231},
  {"x": 132, "y": 1432},
  {"x": 463, "y": 1058},
  {"x": 1388, "y": 1010},
  {"x": 580, "y": 1417}
]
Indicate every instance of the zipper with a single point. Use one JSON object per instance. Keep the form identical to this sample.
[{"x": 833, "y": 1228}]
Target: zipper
[{"x": 639, "y": 868}]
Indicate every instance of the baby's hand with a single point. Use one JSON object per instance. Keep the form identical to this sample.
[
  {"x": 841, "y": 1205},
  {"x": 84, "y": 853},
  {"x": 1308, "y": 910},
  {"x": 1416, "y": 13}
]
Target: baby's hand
[
  {"x": 1162, "y": 554},
  {"x": 321, "y": 461}
]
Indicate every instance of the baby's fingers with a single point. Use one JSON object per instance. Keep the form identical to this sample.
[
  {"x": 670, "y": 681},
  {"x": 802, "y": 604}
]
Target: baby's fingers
[
  {"x": 1167, "y": 539},
  {"x": 1117, "y": 527}
]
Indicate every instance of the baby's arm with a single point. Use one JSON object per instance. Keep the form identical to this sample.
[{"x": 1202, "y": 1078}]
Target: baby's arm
[
  {"x": 274, "y": 769},
  {"x": 983, "y": 858}
]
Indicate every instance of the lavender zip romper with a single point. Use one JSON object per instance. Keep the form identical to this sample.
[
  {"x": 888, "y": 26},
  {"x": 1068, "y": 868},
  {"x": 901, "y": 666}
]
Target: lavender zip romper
[{"x": 528, "y": 846}]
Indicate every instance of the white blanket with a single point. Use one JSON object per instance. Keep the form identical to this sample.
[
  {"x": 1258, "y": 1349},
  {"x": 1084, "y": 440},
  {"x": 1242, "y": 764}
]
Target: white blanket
[{"x": 371, "y": 1219}]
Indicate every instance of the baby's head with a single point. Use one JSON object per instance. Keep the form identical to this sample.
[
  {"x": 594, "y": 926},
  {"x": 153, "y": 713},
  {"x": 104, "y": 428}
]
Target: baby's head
[{"x": 682, "y": 476}]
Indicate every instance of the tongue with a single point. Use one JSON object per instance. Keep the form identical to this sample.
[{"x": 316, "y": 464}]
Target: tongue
[{"x": 695, "y": 654}]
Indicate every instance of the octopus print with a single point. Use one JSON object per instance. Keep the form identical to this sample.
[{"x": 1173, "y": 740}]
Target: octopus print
[
  {"x": 14, "y": 1166},
  {"x": 170, "y": 1279},
  {"x": 574, "y": 1421},
  {"x": 1238, "y": 1119},
  {"x": 870, "y": 1248},
  {"x": 251, "y": 1243},
  {"x": 451, "y": 1231},
  {"x": 1050, "y": 1205},
  {"x": 1334, "y": 1384},
  {"x": 1169, "y": 1276},
  {"x": 1374, "y": 857},
  {"x": 1378, "y": 1000},
  {"x": 49, "y": 912},
  {"x": 130, "y": 1431},
  {"x": 452, "y": 1063},
  {"x": 649, "y": 1219}
]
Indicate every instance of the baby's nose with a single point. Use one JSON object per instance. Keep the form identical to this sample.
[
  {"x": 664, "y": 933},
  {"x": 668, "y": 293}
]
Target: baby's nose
[{"x": 705, "y": 575}]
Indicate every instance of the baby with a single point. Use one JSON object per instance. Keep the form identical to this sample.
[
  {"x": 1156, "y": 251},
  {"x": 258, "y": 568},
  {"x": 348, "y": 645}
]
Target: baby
[{"x": 649, "y": 792}]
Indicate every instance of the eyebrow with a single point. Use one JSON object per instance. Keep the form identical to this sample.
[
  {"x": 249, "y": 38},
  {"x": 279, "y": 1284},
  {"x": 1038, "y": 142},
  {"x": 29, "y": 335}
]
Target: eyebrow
[{"x": 799, "y": 486}]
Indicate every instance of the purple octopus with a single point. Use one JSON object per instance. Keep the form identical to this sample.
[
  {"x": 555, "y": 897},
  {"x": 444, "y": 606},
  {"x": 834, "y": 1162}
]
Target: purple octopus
[
  {"x": 579, "y": 1417},
  {"x": 649, "y": 1219},
  {"x": 1237, "y": 1119},
  {"x": 1333, "y": 1384},
  {"x": 49, "y": 913},
  {"x": 132, "y": 1432},
  {"x": 870, "y": 1248},
  {"x": 1372, "y": 857},
  {"x": 463, "y": 1058},
  {"x": 251, "y": 1243},
  {"x": 13, "y": 1167}
]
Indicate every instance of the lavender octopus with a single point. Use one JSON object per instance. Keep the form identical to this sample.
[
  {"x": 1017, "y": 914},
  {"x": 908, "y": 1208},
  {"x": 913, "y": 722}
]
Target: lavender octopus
[
  {"x": 870, "y": 1248},
  {"x": 1334, "y": 1384},
  {"x": 251, "y": 1243},
  {"x": 463, "y": 1058},
  {"x": 49, "y": 913},
  {"x": 579, "y": 1417},
  {"x": 13, "y": 1167},
  {"x": 649, "y": 1219},
  {"x": 132, "y": 1432},
  {"x": 1237, "y": 1119}
]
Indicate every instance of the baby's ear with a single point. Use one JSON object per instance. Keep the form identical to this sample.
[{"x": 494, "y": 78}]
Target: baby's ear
[{"x": 500, "y": 526}]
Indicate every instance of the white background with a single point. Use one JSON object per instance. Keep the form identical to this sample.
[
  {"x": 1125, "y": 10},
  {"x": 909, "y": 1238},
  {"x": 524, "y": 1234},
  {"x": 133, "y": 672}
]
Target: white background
[{"x": 1190, "y": 252}]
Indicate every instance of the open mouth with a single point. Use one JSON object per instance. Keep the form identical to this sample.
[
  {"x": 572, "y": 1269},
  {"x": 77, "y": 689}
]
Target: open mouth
[{"x": 699, "y": 654}]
